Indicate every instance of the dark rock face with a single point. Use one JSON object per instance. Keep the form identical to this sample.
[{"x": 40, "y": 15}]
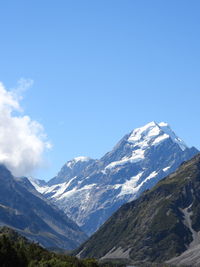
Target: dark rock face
[
  {"x": 161, "y": 224},
  {"x": 89, "y": 191},
  {"x": 24, "y": 209}
]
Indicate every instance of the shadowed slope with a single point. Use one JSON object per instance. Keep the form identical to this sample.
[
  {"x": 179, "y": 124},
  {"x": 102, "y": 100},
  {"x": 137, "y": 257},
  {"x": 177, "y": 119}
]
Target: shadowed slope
[
  {"x": 24, "y": 209},
  {"x": 163, "y": 223}
]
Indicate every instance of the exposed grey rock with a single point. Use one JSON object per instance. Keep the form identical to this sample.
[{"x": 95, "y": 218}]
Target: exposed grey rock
[
  {"x": 89, "y": 191},
  {"x": 25, "y": 210}
]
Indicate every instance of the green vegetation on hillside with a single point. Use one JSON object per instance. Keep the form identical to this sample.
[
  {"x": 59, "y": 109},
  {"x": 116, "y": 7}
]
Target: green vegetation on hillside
[{"x": 17, "y": 251}]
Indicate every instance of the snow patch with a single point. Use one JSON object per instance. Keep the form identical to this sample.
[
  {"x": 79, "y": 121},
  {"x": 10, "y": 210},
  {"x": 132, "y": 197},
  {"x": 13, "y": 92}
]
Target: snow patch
[
  {"x": 167, "y": 168},
  {"x": 82, "y": 159},
  {"x": 117, "y": 186},
  {"x": 72, "y": 162},
  {"x": 136, "y": 156},
  {"x": 159, "y": 139},
  {"x": 137, "y": 134},
  {"x": 166, "y": 128},
  {"x": 67, "y": 194},
  {"x": 129, "y": 187},
  {"x": 153, "y": 174},
  {"x": 63, "y": 188},
  {"x": 75, "y": 190},
  {"x": 39, "y": 188},
  {"x": 156, "y": 132}
]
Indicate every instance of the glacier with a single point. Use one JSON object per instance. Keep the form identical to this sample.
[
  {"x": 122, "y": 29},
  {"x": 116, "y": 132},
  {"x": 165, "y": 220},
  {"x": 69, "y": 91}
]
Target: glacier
[{"x": 90, "y": 190}]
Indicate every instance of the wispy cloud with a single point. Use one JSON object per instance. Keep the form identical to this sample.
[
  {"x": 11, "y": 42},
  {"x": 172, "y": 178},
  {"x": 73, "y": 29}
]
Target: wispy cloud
[{"x": 22, "y": 140}]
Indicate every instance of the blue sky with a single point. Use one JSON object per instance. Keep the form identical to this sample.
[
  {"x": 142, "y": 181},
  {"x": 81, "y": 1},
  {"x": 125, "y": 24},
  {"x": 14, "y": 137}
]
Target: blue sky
[{"x": 103, "y": 68}]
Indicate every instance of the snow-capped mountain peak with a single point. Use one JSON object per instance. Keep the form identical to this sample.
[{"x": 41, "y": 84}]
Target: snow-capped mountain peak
[
  {"x": 144, "y": 133},
  {"x": 153, "y": 134},
  {"x": 89, "y": 190},
  {"x": 77, "y": 160},
  {"x": 166, "y": 128}
]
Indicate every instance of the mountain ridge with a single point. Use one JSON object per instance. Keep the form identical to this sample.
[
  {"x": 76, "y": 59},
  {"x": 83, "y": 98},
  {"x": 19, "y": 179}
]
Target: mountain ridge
[
  {"x": 90, "y": 191},
  {"x": 161, "y": 225},
  {"x": 25, "y": 210}
]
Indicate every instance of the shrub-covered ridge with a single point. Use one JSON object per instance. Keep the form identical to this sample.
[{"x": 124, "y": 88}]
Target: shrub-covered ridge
[{"x": 17, "y": 251}]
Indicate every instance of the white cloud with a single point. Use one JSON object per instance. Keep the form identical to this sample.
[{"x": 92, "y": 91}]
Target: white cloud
[
  {"x": 22, "y": 140},
  {"x": 22, "y": 86}
]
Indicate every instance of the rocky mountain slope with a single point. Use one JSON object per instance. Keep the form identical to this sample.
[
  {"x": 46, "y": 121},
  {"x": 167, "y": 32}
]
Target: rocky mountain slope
[
  {"x": 163, "y": 224},
  {"x": 25, "y": 210},
  {"x": 89, "y": 191}
]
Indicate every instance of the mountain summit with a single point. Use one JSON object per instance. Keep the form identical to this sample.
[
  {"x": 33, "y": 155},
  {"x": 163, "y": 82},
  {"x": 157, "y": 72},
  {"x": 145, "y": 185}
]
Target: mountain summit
[
  {"x": 163, "y": 224},
  {"x": 89, "y": 190}
]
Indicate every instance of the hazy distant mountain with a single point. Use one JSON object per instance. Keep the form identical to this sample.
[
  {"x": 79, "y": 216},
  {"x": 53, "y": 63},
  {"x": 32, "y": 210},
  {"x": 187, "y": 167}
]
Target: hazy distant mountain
[
  {"x": 89, "y": 191},
  {"x": 163, "y": 224},
  {"x": 28, "y": 212}
]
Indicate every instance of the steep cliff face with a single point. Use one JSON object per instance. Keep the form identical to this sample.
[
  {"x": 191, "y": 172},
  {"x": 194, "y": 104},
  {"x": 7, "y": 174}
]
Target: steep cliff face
[
  {"x": 160, "y": 225},
  {"x": 27, "y": 211}
]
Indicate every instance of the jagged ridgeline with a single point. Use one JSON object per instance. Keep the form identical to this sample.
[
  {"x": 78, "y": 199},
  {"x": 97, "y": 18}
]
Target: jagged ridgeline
[
  {"x": 89, "y": 190},
  {"x": 162, "y": 225},
  {"x": 28, "y": 212},
  {"x": 17, "y": 251}
]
